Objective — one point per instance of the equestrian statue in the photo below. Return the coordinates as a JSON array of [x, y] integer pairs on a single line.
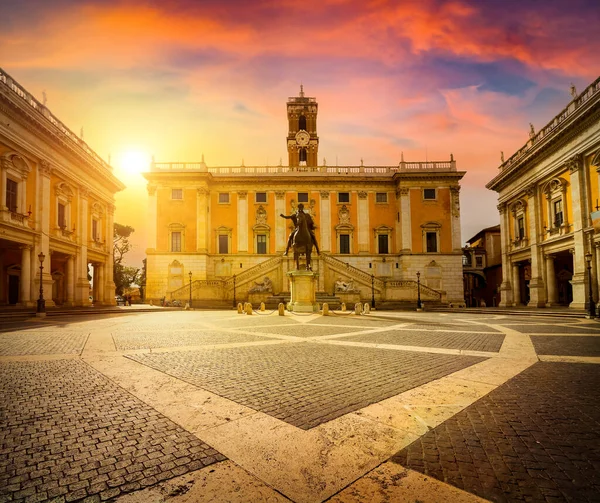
[[302, 238]]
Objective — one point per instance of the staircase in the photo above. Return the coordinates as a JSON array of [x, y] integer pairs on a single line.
[[333, 301], [355, 273]]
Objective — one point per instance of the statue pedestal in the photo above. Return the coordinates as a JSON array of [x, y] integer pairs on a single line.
[[303, 289]]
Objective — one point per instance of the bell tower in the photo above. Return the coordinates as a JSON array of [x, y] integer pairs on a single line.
[[302, 139]]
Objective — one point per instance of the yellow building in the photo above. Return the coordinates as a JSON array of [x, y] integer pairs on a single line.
[[547, 192], [57, 199], [377, 226]]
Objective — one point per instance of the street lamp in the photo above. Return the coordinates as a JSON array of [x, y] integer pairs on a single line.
[[234, 302], [372, 291], [591, 307], [418, 290], [41, 303], [190, 289]]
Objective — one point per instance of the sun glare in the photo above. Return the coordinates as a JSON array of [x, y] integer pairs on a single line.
[[134, 162]]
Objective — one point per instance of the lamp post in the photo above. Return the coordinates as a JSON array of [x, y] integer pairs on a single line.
[[41, 303], [591, 307], [372, 291], [234, 302], [418, 291], [190, 289]]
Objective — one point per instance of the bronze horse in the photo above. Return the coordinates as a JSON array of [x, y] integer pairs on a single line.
[[303, 242]]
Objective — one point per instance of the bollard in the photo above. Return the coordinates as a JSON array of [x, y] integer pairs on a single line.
[[366, 308], [343, 306], [325, 309], [151, 302], [187, 306], [262, 306], [358, 308], [248, 308], [240, 308], [281, 309]]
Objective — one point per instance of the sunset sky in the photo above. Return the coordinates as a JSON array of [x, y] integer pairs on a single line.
[[180, 79]]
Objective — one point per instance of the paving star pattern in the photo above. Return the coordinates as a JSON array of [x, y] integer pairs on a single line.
[[308, 408]]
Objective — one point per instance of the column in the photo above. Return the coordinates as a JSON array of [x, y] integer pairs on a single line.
[[363, 223], [579, 280], [152, 216], [405, 219], [597, 280], [537, 289], [25, 280], [506, 292], [242, 222], [551, 282], [70, 281], [43, 226], [325, 222], [280, 224], [202, 220], [516, 285], [82, 285], [101, 283], [455, 205], [3, 172]]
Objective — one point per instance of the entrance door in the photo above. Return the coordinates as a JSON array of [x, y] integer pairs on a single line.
[[13, 289]]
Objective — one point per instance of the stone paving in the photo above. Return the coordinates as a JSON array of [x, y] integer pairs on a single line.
[[566, 346], [535, 438], [305, 384], [76, 428], [42, 343], [67, 431], [449, 340]]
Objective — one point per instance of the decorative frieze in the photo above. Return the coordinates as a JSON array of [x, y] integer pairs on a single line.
[[574, 163]]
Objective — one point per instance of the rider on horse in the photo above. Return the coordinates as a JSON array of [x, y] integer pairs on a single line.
[[311, 228]]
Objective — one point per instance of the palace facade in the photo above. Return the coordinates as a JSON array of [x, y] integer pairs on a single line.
[[547, 192], [57, 203], [218, 235]]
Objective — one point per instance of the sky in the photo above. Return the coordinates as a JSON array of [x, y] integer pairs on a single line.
[[178, 79]]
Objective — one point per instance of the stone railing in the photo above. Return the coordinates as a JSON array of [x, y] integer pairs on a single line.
[[426, 292], [197, 285], [403, 167], [252, 273], [8, 82], [354, 272], [555, 125]]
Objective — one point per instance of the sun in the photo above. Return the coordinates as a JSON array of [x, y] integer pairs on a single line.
[[134, 162]]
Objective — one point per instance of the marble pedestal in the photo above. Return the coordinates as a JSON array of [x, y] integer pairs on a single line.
[[303, 289]]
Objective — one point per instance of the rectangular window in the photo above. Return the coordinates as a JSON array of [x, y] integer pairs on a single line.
[[521, 227], [62, 223], [177, 194], [431, 238], [175, 241], [428, 193], [11, 194], [303, 197], [381, 197], [95, 236], [558, 213], [261, 197], [345, 243], [343, 197], [224, 198], [383, 243], [223, 243], [261, 244], [479, 261]]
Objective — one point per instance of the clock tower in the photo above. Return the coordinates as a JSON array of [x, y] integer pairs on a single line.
[[302, 139]]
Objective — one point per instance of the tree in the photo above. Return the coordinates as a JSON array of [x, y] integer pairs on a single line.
[[123, 276]]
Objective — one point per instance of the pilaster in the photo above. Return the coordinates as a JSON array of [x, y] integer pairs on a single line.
[[242, 222], [325, 222], [363, 222], [537, 288], [455, 205], [280, 237], [405, 219], [506, 294], [202, 220], [579, 280], [152, 216]]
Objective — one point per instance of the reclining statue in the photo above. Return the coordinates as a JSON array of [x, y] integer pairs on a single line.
[[265, 286]]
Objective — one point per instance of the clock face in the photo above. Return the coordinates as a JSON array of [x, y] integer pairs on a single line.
[[302, 138]]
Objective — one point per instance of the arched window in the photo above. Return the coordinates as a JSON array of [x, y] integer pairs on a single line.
[[302, 155], [302, 123]]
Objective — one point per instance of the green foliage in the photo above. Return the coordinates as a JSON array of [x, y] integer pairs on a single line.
[[123, 276], [142, 280]]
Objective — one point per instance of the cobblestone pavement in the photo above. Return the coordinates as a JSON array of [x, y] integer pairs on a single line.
[[566, 346], [164, 339], [449, 340], [42, 343], [305, 384], [303, 331], [66, 431], [452, 327], [559, 329], [366, 322], [535, 438]]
